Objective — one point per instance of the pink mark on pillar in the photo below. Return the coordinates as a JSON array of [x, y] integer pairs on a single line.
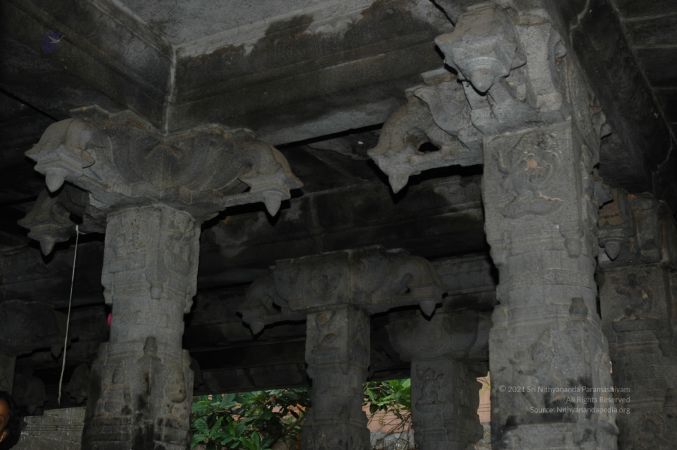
[[109, 319]]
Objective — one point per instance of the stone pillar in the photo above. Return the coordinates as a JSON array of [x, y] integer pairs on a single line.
[[337, 292], [444, 386], [142, 377], [7, 363], [637, 306], [518, 98], [151, 192], [337, 354], [547, 350]]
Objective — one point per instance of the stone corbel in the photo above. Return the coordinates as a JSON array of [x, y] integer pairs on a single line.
[[372, 279], [264, 306], [122, 160], [49, 220], [511, 73], [508, 65], [431, 130]]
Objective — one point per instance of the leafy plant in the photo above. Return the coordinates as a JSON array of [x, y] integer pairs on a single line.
[[390, 403], [257, 420], [249, 421]]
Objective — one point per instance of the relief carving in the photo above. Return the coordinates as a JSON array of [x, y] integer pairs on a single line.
[[528, 168]]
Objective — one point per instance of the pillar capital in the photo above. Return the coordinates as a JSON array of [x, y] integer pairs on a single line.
[[512, 73], [122, 161], [151, 191], [451, 335], [372, 279]]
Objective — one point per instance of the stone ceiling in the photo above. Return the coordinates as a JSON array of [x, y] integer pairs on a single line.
[[316, 78], [651, 29]]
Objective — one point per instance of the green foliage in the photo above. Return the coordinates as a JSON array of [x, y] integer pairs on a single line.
[[248, 421], [392, 398], [388, 396], [256, 420]]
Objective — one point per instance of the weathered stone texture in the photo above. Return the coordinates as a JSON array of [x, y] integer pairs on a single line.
[[152, 201], [638, 302], [336, 292], [373, 279], [56, 429], [445, 391], [337, 354], [142, 381], [540, 135]]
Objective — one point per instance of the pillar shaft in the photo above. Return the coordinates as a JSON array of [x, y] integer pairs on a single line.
[[7, 363], [637, 305], [444, 387], [546, 343], [337, 353], [633, 305], [142, 376], [444, 404]]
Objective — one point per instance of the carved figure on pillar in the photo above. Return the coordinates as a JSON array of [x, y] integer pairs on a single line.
[[152, 191], [540, 133]]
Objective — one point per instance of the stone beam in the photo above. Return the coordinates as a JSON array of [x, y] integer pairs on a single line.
[[54, 50], [436, 218], [636, 156], [151, 202], [252, 64]]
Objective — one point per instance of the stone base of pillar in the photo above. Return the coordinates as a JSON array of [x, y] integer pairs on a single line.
[[143, 401], [329, 435], [555, 436], [57, 429]]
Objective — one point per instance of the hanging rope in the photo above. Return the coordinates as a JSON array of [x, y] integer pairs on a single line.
[[68, 317]]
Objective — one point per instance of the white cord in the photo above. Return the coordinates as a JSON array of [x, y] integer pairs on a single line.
[[68, 317]]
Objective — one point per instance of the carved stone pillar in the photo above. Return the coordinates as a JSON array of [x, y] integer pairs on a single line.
[[337, 292], [547, 350], [337, 353], [143, 381], [637, 305], [151, 191], [7, 363], [539, 139], [444, 386]]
